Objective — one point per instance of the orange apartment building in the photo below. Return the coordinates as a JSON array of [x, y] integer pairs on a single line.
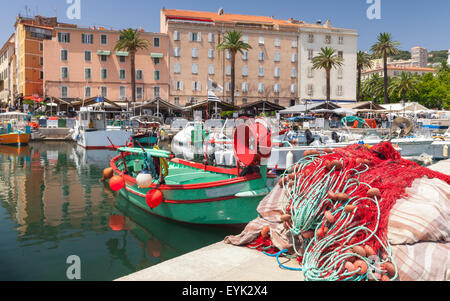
[[81, 63], [29, 36], [268, 71], [276, 69]]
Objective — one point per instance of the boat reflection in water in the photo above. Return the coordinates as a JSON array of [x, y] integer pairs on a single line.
[[159, 238], [53, 205]]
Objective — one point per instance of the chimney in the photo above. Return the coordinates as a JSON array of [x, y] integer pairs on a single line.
[[319, 22]]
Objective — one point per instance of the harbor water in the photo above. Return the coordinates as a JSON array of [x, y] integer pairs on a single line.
[[54, 205]]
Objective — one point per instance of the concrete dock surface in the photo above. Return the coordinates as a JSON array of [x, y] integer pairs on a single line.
[[223, 262], [220, 262]]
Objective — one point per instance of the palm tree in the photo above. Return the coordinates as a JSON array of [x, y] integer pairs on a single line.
[[363, 61], [372, 88], [130, 41], [327, 59], [404, 83], [233, 44], [384, 48]]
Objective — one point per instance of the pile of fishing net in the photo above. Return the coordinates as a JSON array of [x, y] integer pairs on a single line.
[[335, 206]]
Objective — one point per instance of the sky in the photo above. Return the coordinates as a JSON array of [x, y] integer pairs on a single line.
[[411, 22]]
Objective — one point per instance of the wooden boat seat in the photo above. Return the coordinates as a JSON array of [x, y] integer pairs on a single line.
[[189, 177]]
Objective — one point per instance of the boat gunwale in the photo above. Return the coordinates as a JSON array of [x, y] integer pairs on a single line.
[[238, 179]]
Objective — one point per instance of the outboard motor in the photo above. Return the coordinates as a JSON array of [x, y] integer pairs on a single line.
[[335, 137], [309, 137]]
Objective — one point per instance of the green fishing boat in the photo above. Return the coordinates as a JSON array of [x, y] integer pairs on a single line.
[[190, 192]]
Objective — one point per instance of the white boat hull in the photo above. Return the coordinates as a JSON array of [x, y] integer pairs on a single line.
[[99, 139]]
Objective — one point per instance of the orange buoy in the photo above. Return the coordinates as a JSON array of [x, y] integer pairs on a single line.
[[154, 198], [389, 268], [369, 251], [116, 222], [116, 183], [329, 217], [108, 173], [286, 218], [308, 234], [360, 251], [350, 266], [265, 232], [374, 192], [322, 231], [349, 208], [362, 265], [342, 197]]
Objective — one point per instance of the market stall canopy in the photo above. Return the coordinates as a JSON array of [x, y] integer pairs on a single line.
[[262, 105], [408, 106], [95, 101], [163, 104], [203, 104], [362, 106], [298, 109], [342, 111]]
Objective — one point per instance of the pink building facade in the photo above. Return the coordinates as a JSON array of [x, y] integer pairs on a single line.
[[80, 63]]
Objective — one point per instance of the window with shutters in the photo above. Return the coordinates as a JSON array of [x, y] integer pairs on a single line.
[[261, 41], [294, 58], [310, 54], [63, 37], [156, 75], [176, 68], [245, 55], [176, 35], [139, 74], [103, 39], [277, 42], [260, 87], [195, 52], [104, 91], [211, 69], [261, 71], [293, 88], [64, 92], [245, 39], [277, 72], [155, 42], [176, 51], [228, 70], [310, 38], [211, 37], [64, 55], [341, 40], [294, 43], [244, 87], [104, 73], [261, 56], [139, 92], [87, 38], [87, 73], [122, 92], [310, 72], [340, 73], [293, 72], [327, 39], [64, 72], [87, 92], [276, 88], [87, 56], [276, 56], [194, 68], [122, 74], [211, 53], [245, 70], [156, 92]]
